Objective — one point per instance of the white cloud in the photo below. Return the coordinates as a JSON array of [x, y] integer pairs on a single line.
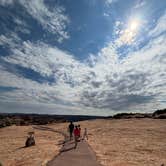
[[127, 35], [160, 26], [11, 40], [140, 4], [30, 107], [52, 19], [135, 82], [106, 15], [109, 2], [48, 61], [138, 82], [22, 26], [32, 91], [68, 73], [6, 2]]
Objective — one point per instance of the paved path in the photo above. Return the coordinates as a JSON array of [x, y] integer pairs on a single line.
[[81, 156]]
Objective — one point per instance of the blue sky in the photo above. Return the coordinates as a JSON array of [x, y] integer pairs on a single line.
[[97, 57]]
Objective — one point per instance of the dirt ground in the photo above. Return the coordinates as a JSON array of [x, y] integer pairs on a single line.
[[12, 141], [132, 142]]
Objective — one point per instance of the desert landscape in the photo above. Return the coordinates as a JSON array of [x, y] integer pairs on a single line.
[[93, 69], [128, 142], [13, 152], [116, 142]]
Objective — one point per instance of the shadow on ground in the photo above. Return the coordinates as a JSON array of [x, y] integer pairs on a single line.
[[62, 142]]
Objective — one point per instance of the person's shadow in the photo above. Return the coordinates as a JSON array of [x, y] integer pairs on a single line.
[[64, 142]]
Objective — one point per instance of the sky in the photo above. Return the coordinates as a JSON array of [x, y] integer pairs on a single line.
[[89, 57]]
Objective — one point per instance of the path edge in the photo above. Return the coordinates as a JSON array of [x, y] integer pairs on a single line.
[[60, 151], [95, 154]]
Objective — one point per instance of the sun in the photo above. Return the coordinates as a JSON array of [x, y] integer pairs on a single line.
[[128, 35], [133, 25]]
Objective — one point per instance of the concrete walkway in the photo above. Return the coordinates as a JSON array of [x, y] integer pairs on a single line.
[[83, 155]]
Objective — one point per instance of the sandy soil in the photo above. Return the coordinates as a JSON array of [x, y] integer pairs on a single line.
[[135, 142], [132, 142], [12, 140]]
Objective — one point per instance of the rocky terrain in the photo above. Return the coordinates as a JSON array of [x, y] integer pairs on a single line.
[[116, 142], [128, 142], [126, 139], [14, 153]]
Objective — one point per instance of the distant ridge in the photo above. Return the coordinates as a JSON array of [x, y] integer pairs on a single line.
[[8, 119], [159, 114]]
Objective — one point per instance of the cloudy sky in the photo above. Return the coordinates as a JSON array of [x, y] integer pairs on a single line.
[[96, 57]]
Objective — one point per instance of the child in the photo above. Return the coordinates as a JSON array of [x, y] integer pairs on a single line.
[[76, 135], [85, 134]]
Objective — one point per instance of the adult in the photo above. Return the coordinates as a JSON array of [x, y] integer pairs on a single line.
[[79, 128], [71, 128]]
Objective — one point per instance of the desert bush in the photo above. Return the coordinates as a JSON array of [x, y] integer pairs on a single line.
[[8, 121], [159, 112]]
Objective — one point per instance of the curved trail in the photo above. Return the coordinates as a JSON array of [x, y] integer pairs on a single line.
[[83, 155]]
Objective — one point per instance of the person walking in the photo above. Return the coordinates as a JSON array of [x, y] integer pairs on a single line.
[[76, 135], [85, 135], [79, 128], [71, 128]]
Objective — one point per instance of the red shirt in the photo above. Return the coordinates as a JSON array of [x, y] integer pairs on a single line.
[[76, 132]]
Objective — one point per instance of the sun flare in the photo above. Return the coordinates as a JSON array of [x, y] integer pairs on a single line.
[[134, 24], [129, 34]]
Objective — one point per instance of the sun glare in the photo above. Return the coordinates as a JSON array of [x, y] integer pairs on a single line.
[[134, 25], [128, 35]]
